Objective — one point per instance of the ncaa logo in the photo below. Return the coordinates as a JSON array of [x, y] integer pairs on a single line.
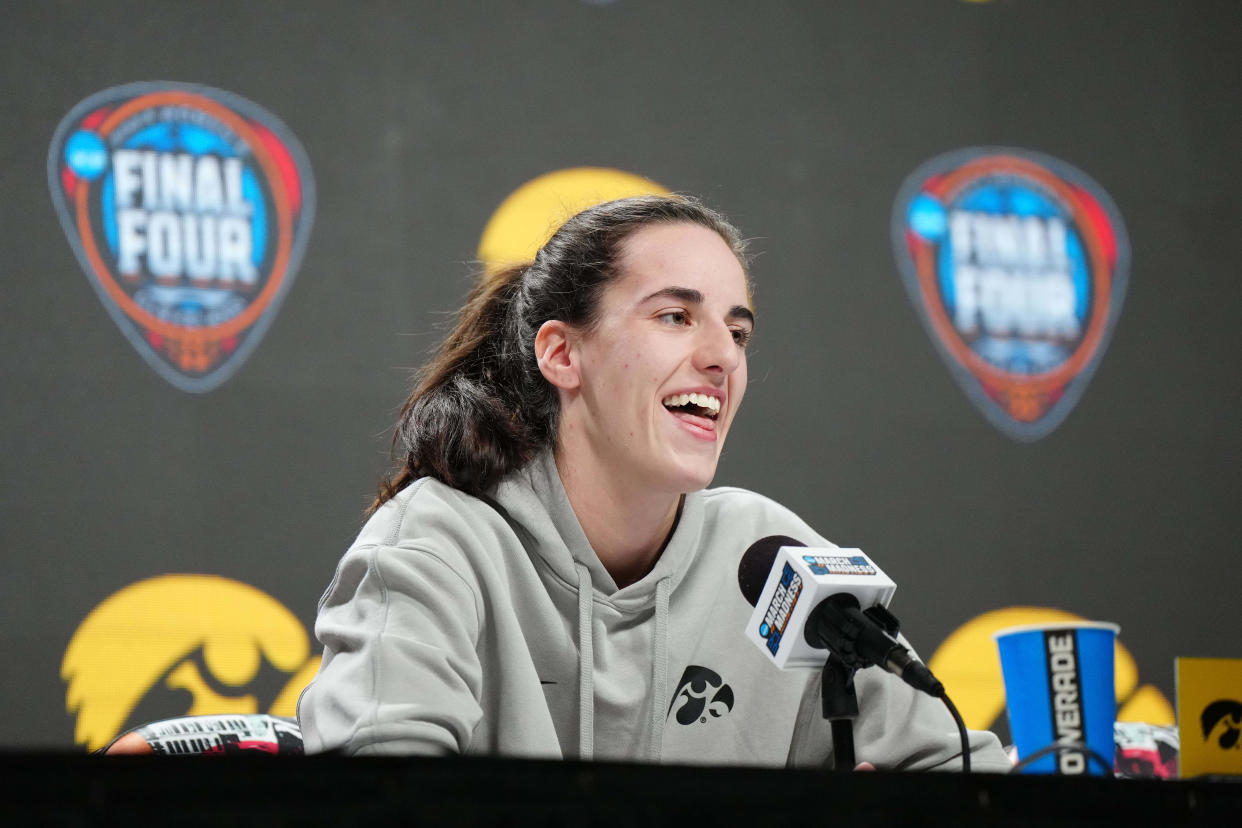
[[1017, 264], [189, 210]]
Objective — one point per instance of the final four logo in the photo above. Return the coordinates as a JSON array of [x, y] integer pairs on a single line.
[[1017, 264], [189, 209]]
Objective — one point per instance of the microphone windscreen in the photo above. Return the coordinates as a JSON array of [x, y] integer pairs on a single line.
[[756, 563]]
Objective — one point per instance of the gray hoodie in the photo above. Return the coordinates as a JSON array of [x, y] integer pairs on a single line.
[[463, 625]]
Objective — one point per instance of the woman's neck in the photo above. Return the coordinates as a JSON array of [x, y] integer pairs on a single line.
[[627, 528]]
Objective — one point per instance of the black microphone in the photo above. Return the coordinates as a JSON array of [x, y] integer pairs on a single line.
[[862, 638], [756, 564], [810, 601]]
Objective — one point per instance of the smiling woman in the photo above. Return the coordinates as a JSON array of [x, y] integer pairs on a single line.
[[547, 556], [647, 394]]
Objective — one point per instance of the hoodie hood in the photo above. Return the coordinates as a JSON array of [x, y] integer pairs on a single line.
[[535, 502]]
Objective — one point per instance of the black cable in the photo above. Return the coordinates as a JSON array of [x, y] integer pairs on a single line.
[[961, 731], [1064, 747]]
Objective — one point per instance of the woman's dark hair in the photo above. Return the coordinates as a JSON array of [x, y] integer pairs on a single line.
[[481, 408]]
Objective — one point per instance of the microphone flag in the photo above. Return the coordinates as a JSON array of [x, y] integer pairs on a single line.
[[800, 578]]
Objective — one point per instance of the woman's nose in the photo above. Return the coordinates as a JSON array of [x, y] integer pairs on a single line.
[[717, 350]]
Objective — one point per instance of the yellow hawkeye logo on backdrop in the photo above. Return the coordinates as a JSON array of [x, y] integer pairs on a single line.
[[532, 213], [183, 645]]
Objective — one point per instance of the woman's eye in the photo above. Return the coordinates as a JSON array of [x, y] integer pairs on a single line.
[[741, 336], [675, 317]]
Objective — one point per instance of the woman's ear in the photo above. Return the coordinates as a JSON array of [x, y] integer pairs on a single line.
[[555, 354]]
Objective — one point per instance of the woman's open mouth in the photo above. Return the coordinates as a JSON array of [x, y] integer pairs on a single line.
[[698, 405], [697, 413]]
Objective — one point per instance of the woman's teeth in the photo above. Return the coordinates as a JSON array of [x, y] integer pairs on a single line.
[[705, 401]]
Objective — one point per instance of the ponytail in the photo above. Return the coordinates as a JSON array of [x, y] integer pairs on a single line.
[[463, 424]]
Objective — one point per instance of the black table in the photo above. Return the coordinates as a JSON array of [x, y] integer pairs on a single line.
[[50, 789]]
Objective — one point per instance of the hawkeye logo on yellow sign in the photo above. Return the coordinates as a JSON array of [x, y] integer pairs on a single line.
[[183, 645], [1209, 713]]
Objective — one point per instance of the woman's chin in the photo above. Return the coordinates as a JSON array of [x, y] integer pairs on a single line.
[[693, 476]]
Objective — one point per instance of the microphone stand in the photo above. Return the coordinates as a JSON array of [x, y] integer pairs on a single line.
[[840, 702], [840, 706], [837, 625]]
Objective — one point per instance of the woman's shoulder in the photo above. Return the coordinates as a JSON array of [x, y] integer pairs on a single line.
[[735, 497], [426, 510], [744, 511]]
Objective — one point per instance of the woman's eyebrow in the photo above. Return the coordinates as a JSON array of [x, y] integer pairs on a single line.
[[742, 312], [694, 297], [684, 294]]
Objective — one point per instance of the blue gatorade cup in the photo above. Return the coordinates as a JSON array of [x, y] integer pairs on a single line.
[[1060, 695]]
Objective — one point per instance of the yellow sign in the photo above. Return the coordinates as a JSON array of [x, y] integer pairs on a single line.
[[200, 636], [534, 211], [1209, 716]]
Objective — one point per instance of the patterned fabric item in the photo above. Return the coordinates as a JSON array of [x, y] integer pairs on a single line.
[[1145, 750], [212, 736]]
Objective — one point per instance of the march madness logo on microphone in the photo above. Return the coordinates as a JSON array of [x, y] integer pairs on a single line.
[[1017, 264], [189, 210], [838, 565], [780, 608]]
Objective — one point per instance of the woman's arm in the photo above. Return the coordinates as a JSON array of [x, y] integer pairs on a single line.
[[900, 728], [400, 672]]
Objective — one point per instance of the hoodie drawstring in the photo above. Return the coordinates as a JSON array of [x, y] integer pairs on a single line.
[[586, 664], [659, 670]]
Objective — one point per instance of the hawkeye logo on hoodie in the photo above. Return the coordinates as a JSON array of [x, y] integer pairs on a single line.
[[691, 700]]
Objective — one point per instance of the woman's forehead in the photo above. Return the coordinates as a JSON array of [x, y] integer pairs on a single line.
[[680, 255]]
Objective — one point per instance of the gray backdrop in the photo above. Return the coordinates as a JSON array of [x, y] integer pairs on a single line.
[[798, 120]]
